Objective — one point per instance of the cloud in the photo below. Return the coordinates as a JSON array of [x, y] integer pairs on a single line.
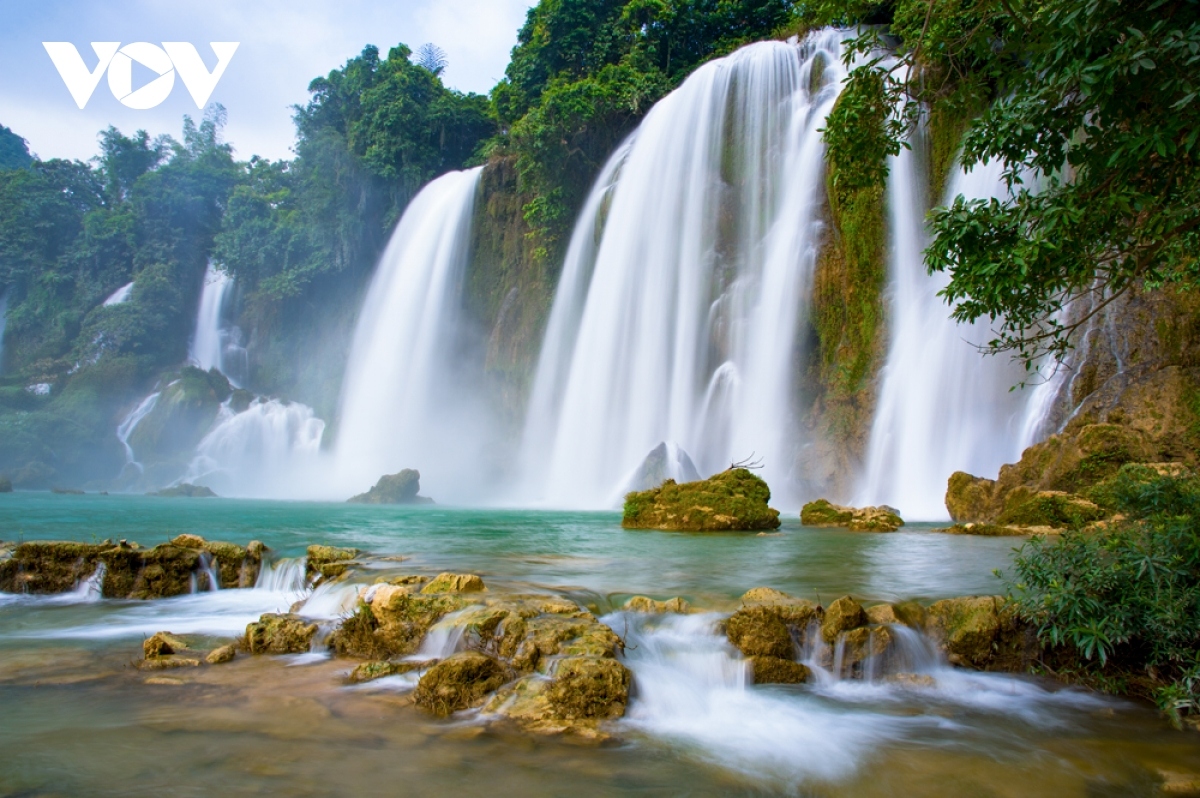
[[284, 45]]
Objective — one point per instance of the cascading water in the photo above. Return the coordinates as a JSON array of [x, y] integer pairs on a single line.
[[215, 345], [677, 316], [943, 406], [269, 449], [129, 424], [405, 402], [120, 296]]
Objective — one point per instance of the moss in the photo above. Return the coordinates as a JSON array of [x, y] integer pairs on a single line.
[[589, 687], [454, 583], [1049, 508], [773, 670], [279, 634], [949, 118], [185, 490], [399, 488], [842, 616], [327, 562], [735, 499], [759, 632], [458, 682], [824, 513]]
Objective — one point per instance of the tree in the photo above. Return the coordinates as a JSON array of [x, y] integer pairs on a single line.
[[14, 151]]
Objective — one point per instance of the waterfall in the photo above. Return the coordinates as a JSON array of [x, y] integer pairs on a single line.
[[269, 449], [120, 296], [214, 345], [129, 424], [687, 279], [404, 401], [943, 406]]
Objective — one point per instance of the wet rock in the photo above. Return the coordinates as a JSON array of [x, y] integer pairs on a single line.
[[454, 583], [328, 562], [777, 670], [735, 499], [822, 513], [589, 688], [966, 628], [910, 680], [392, 624], [859, 645], [990, 530], [665, 461], [910, 613], [649, 605], [842, 616], [279, 634], [882, 615], [48, 567], [458, 682], [168, 662], [221, 655], [185, 490], [1048, 509], [759, 632], [765, 595], [161, 644], [401, 488], [370, 671]]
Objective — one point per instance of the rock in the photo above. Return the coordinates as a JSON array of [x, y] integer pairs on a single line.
[[392, 624], [49, 567], [458, 682], [589, 688], [649, 605], [842, 616], [882, 615], [328, 562], [990, 530], [822, 513], [454, 583], [401, 488], [161, 644], [279, 634], [759, 632], [66, 491], [168, 662], [735, 499], [860, 644], [370, 671], [1048, 508], [776, 670], [185, 490], [6, 485], [665, 461], [966, 628], [910, 680], [765, 595], [221, 655], [189, 542]]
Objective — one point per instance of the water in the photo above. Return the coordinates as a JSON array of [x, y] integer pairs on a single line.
[[120, 296], [129, 424], [405, 402], [943, 406], [216, 345], [3, 322], [686, 284], [79, 720], [272, 448]]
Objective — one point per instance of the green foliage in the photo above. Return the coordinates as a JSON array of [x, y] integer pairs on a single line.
[[14, 152], [1125, 599], [1091, 107]]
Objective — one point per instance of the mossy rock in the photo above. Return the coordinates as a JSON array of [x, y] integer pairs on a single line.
[[759, 632], [327, 562], [455, 583], [776, 670], [6, 485], [279, 634], [985, 530], [648, 605], [1049, 509], [823, 513], [392, 625], [967, 628], [370, 671], [735, 499], [589, 688], [185, 490], [969, 498], [161, 644], [842, 616], [458, 682]]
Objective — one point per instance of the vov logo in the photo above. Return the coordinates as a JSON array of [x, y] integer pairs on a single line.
[[164, 61]]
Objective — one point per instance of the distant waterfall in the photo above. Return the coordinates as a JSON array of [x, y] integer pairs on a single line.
[[271, 448], [129, 424], [677, 315], [404, 404], [943, 406], [214, 344], [3, 322], [120, 296]]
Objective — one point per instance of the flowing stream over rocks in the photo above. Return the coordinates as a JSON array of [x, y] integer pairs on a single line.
[[80, 719]]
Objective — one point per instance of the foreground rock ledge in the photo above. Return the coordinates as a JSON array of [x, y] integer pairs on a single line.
[[734, 500]]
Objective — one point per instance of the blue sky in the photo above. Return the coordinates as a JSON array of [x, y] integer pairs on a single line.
[[284, 44]]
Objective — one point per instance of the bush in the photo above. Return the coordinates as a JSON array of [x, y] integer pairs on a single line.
[[1123, 603]]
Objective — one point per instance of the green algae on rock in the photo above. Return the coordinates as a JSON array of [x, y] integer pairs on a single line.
[[185, 490], [279, 634], [399, 488], [823, 513], [735, 499], [327, 562]]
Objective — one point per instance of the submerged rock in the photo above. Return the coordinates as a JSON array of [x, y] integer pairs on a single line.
[[735, 499], [649, 605], [221, 655], [378, 669], [981, 632], [988, 530], [185, 490], [823, 513], [775, 670], [401, 488], [460, 681], [665, 461], [392, 624], [161, 644], [279, 634], [842, 616]]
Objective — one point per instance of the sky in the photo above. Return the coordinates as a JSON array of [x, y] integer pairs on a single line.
[[283, 44]]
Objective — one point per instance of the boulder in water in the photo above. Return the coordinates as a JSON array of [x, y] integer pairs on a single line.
[[735, 499], [401, 488], [392, 624], [185, 490], [328, 562], [823, 513], [460, 681], [454, 583], [665, 461], [6, 485], [649, 605], [161, 644], [279, 634], [842, 616], [776, 670], [221, 655]]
